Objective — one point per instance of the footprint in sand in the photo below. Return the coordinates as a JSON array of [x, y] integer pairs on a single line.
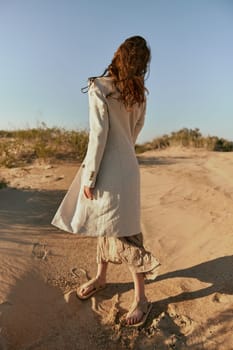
[[40, 251], [80, 273], [222, 298], [70, 297], [183, 322], [82, 276]]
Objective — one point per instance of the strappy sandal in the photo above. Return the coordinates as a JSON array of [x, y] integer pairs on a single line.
[[96, 288], [145, 307]]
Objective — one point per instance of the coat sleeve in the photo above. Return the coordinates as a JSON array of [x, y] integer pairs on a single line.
[[140, 122], [99, 125]]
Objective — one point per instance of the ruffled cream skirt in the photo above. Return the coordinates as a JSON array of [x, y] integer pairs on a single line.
[[129, 250]]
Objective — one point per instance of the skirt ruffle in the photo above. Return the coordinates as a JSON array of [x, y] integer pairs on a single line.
[[129, 250]]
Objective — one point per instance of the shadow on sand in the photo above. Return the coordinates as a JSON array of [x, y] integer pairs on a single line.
[[154, 161], [28, 207], [32, 208], [218, 272]]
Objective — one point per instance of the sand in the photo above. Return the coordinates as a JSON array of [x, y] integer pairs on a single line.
[[187, 220]]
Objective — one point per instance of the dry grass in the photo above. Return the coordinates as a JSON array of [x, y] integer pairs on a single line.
[[187, 138], [22, 147]]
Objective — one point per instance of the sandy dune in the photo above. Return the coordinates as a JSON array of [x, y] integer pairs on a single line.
[[187, 218]]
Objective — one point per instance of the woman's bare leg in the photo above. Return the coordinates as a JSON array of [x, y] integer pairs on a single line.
[[100, 278], [139, 296], [102, 272]]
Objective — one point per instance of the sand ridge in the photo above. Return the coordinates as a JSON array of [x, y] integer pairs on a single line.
[[187, 220]]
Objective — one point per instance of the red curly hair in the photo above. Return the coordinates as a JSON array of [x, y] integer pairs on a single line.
[[128, 69]]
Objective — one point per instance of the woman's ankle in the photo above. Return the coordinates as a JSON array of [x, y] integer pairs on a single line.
[[140, 298], [100, 280], [102, 272]]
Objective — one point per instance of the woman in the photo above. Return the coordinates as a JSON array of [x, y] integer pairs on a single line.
[[104, 198]]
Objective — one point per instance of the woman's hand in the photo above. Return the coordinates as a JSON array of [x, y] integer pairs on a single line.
[[88, 192]]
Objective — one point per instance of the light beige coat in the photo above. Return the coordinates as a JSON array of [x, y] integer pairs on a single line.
[[110, 167]]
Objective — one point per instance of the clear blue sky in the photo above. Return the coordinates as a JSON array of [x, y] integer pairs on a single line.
[[48, 48]]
